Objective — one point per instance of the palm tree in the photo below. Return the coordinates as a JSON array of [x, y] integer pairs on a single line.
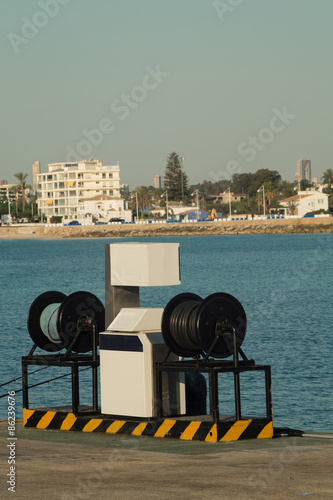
[[259, 201], [327, 178], [292, 205], [270, 192], [23, 186]]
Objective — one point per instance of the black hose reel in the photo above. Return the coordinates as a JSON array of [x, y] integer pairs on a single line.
[[56, 321], [193, 326]]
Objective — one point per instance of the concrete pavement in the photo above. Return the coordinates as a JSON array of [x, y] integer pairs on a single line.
[[67, 465]]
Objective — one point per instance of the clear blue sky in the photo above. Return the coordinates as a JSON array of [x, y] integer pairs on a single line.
[[205, 79]]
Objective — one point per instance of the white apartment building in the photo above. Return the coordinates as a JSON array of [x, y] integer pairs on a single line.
[[66, 189]]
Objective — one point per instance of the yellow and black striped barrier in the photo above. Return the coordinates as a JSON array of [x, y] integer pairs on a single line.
[[189, 430]]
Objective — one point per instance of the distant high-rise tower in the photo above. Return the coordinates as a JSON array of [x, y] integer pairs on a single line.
[[304, 170], [35, 172], [157, 181]]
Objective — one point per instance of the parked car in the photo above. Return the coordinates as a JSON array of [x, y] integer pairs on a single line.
[[74, 223], [116, 219]]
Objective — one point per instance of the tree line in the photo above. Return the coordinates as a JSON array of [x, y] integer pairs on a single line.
[[178, 189], [25, 206]]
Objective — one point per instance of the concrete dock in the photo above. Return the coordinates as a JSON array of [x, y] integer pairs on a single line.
[[69, 465]]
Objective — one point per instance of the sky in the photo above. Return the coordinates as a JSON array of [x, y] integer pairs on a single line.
[[230, 85]]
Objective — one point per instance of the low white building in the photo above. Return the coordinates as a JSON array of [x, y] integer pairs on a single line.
[[175, 212], [104, 208], [305, 202]]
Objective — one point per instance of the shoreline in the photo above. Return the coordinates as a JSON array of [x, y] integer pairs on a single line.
[[256, 226]]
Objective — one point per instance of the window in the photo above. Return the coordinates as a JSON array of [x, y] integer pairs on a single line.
[[110, 176]]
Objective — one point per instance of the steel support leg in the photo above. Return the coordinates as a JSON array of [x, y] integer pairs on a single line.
[[25, 392], [268, 384], [214, 396], [75, 389]]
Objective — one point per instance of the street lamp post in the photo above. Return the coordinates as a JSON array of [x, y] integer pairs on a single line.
[[137, 204], [196, 192], [263, 197], [166, 202], [182, 177], [228, 189]]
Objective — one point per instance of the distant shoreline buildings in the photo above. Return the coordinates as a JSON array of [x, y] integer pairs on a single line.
[[88, 191]]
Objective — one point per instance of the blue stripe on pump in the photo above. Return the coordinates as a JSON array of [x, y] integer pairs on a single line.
[[120, 343]]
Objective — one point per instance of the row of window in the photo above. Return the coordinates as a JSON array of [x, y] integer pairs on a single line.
[[73, 175], [66, 194]]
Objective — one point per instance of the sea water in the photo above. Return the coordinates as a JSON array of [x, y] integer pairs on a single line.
[[284, 283]]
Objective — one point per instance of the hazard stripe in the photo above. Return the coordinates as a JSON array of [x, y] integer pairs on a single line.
[[190, 430], [46, 419], [267, 431], [236, 430], [92, 425], [139, 429], [68, 422], [115, 426], [178, 428], [26, 415], [164, 428], [212, 435]]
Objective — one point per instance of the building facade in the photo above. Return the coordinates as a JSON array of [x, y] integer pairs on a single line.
[[304, 170], [66, 188], [305, 202], [226, 197], [157, 181], [35, 172], [9, 192]]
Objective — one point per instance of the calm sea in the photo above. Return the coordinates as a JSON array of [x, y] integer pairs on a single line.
[[284, 283]]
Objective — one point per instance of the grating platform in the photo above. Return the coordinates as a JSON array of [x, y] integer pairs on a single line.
[[197, 428]]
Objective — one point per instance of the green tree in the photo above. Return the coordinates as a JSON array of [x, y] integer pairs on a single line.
[[145, 196], [241, 183], [175, 179], [270, 192], [286, 189], [327, 178], [263, 176], [22, 186], [305, 184]]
